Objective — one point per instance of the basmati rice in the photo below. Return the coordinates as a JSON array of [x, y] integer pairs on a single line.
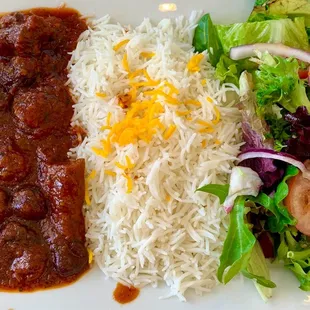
[[145, 222]]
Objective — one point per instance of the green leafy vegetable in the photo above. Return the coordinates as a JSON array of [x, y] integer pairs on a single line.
[[296, 256], [206, 38], [281, 218], [261, 2], [299, 256], [260, 17], [282, 189], [290, 8], [229, 71], [259, 279], [238, 244], [257, 270], [286, 31], [282, 249], [279, 130], [278, 82], [275, 82], [238, 254], [218, 190], [248, 107], [277, 222], [281, 9], [308, 32], [299, 97], [242, 253], [261, 12], [301, 275]]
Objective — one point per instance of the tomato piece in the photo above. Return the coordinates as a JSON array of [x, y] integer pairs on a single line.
[[298, 201], [303, 74]]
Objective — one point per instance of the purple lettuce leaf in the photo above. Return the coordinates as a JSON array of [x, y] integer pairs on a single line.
[[299, 145], [254, 131], [269, 172]]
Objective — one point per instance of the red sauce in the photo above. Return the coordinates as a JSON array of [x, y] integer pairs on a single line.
[[125, 294], [42, 232]]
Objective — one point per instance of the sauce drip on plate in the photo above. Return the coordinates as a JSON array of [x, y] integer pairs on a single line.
[[124, 294]]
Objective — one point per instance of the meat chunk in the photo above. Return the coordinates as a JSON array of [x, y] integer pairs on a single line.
[[4, 202], [18, 71], [55, 150], [30, 265], [31, 34], [4, 100], [70, 258], [43, 109], [27, 33], [53, 153], [6, 49], [3, 199], [29, 203], [65, 231], [68, 37], [21, 71], [52, 62], [13, 166], [23, 257], [64, 185], [14, 231]]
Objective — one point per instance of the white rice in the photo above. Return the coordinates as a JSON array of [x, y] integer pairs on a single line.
[[142, 238]]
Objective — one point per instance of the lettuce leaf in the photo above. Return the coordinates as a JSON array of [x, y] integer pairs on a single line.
[[279, 9], [295, 252], [242, 253], [260, 280], [255, 130], [289, 32], [238, 244], [302, 276], [221, 191], [299, 145], [229, 71], [257, 270], [277, 82], [260, 17], [261, 2], [248, 108], [265, 167], [206, 38], [279, 131], [290, 8], [281, 218]]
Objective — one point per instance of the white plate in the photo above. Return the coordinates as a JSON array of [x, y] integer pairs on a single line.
[[93, 292]]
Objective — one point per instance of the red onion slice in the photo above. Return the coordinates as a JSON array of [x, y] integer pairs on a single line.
[[269, 154], [278, 49]]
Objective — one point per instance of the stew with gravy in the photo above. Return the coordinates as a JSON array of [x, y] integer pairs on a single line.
[[42, 233]]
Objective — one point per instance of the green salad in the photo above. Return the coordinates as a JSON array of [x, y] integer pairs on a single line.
[[268, 198]]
